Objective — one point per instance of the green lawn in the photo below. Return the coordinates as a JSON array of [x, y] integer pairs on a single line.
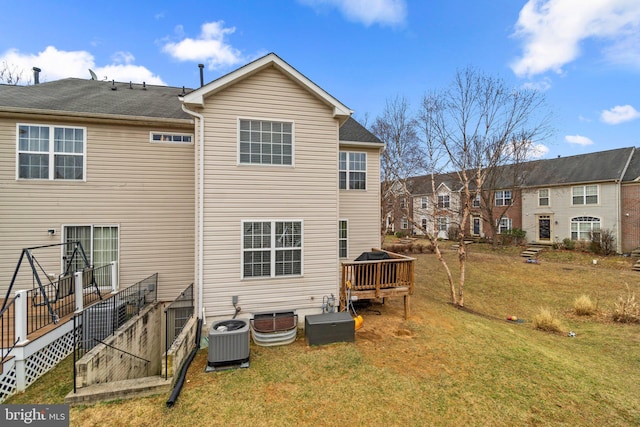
[[443, 366]]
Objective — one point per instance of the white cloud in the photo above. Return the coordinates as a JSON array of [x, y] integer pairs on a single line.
[[538, 151], [540, 85], [59, 64], [619, 114], [210, 47], [578, 140], [552, 31], [368, 12]]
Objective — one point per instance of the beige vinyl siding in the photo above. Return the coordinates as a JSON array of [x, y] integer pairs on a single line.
[[362, 207], [146, 189], [306, 191], [562, 210]]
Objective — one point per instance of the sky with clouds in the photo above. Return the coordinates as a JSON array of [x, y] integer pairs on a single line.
[[583, 55]]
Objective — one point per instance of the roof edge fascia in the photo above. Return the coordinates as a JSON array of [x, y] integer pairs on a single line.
[[361, 144], [120, 118], [197, 96]]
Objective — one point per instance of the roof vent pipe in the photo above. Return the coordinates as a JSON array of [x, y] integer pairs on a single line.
[[36, 75], [201, 66]]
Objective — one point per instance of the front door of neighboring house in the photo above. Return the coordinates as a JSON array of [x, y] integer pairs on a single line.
[[544, 228], [477, 226]]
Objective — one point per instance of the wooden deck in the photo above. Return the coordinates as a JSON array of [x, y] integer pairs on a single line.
[[385, 278]]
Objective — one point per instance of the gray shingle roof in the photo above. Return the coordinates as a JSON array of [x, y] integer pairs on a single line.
[[353, 131], [96, 97], [593, 167], [633, 171]]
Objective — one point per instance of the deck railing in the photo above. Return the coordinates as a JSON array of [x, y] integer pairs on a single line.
[[378, 278], [49, 303], [8, 338]]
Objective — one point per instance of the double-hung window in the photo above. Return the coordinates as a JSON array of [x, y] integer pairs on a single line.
[[442, 223], [584, 195], [503, 198], [353, 170], [504, 224], [51, 152], [343, 234], [444, 201], [263, 142], [476, 201], [543, 197], [423, 203], [271, 248]]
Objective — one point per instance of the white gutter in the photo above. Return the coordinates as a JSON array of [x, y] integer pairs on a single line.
[[200, 200]]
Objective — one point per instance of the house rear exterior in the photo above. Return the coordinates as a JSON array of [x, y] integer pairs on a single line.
[[253, 186]]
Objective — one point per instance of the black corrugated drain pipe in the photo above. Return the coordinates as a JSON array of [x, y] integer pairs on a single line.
[[185, 367]]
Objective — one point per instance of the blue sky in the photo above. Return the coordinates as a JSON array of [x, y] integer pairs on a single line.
[[583, 54]]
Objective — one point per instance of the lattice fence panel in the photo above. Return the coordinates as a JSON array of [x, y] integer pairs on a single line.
[[8, 382], [40, 363]]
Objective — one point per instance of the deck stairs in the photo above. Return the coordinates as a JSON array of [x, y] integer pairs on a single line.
[[636, 255]]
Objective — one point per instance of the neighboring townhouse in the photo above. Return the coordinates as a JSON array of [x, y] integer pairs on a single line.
[[446, 212], [630, 205], [554, 199], [253, 186], [572, 197]]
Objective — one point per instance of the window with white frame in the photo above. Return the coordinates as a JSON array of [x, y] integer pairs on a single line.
[[343, 234], [403, 202], [585, 227], [171, 138], [476, 201], [442, 223], [423, 203], [265, 142], [444, 201], [99, 243], [51, 152], [503, 198], [543, 197], [504, 224], [271, 248], [584, 195], [424, 224], [404, 224], [353, 170]]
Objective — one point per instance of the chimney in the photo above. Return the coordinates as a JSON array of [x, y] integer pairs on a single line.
[[201, 66], [36, 75]]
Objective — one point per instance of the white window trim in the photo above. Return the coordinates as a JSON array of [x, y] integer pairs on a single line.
[[404, 223], [266, 165], [346, 239], [548, 197], [424, 202], [52, 153], [584, 195], [366, 173], [272, 249], [163, 141], [509, 224], [503, 199], [446, 201], [591, 221]]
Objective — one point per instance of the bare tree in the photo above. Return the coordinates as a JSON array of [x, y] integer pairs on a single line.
[[483, 124], [400, 160], [11, 74]]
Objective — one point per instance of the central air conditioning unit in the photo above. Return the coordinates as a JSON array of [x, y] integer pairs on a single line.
[[101, 320], [228, 345]]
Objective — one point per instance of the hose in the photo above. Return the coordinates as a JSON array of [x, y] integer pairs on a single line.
[[185, 366]]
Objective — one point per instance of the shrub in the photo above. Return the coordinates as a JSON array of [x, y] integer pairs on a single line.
[[546, 321], [603, 242], [583, 306], [515, 236], [453, 232], [568, 243], [627, 309], [401, 234]]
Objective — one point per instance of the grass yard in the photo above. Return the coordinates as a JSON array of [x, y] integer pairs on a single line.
[[443, 366]]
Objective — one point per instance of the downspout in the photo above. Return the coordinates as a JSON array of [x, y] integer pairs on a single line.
[[619, 202], [200, 237]]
